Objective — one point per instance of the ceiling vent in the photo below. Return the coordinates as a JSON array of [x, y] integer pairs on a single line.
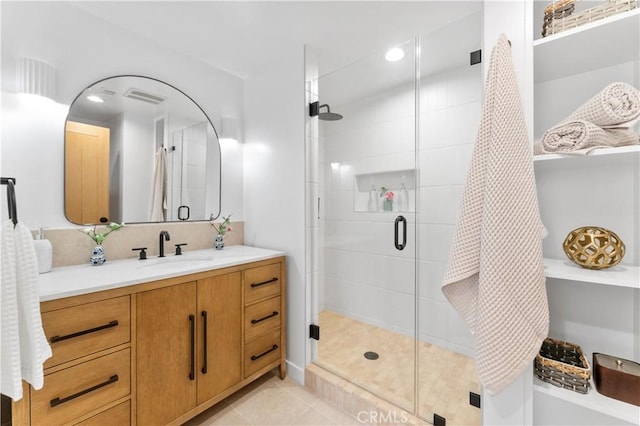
[[107, 92], [143, 96]]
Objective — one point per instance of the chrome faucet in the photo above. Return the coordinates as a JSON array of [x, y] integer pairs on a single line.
[[164, 236]]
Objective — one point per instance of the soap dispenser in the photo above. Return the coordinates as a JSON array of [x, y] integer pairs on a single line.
[[372, 205], [403, 198], [44, 252]]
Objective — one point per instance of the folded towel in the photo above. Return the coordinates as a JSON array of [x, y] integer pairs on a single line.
[[580, 136], [23, 341], [617, 103], [495, 277]]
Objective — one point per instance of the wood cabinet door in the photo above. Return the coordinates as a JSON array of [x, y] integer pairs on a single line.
[[166, 379], [220, 305]]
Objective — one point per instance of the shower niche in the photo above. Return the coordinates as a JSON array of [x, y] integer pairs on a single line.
[[393, 191]]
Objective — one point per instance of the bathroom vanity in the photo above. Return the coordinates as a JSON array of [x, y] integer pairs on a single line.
[[157, 341]]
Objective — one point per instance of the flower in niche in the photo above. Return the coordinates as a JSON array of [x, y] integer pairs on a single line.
[[224, 227], [384, 192], [99, 237]]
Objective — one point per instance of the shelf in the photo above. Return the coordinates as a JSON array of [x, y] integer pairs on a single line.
[[611, 41], [630, 150], [620, 275], [592, 400]]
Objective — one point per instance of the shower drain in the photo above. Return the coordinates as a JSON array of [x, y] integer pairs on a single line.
[[371, 355]]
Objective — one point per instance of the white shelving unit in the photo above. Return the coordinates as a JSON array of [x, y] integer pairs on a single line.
[[592, 400], [581, 59], [619, 275], [595, 153], [611, 41]]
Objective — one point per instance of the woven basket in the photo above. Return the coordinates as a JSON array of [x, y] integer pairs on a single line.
[[564, 365], [561, 16]]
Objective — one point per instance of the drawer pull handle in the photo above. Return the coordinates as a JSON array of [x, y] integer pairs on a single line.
[[255, 357], [204, 338], [255, 321], [57, 401], [272, 280], [55, 339], [192, 371]]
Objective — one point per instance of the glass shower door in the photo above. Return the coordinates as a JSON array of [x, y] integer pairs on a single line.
[[450, 104], [365, 294]]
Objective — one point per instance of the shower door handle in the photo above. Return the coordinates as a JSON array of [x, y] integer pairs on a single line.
[[403, 244]]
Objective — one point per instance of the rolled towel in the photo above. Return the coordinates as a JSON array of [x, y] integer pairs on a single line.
[[580, 136], [616, 104]]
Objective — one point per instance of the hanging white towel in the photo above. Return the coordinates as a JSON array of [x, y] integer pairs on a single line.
[[495, 277], [24, 345], [158, 206]]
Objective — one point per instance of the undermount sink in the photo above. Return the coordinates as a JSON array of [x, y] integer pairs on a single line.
[[172, 262]]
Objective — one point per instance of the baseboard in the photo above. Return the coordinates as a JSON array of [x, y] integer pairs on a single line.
[[295, 372]]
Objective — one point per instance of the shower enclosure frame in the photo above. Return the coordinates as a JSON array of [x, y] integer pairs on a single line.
[[313, 203]]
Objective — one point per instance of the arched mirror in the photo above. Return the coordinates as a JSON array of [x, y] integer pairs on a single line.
[[139, 150]]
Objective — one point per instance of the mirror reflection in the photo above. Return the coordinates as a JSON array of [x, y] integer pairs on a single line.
[[139, 150]]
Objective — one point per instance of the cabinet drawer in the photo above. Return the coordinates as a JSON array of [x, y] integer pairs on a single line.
[[78, 390], [261, 282], [262, 317], [85, 329], [261, 352], [120, 415]]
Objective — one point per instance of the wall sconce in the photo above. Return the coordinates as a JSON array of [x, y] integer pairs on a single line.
[[229, 129], [35, 78]]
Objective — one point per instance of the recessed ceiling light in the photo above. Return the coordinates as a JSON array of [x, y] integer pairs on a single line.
[[394, 54], [94, 98]]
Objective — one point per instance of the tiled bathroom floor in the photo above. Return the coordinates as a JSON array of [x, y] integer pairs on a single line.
[[271, 401], [445, 377]]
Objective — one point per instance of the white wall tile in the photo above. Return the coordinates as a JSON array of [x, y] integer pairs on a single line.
[[445, 166], [440, 204], [457, 330], [398, 311], [435, 242], [432, 320], [430, 277]]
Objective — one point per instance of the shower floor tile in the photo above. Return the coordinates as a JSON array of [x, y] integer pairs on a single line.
[[445, 377]]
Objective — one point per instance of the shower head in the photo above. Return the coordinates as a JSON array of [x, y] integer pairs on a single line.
[[329, 116]]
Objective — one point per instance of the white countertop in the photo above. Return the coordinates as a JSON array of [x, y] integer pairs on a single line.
[[82, 279]]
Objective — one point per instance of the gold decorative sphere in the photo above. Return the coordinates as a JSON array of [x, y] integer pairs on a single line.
[[593, 247]]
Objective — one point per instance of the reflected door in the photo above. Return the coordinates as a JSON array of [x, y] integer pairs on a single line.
[[86, 195]]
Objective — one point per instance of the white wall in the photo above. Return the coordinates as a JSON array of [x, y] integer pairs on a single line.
[[275, 181], [74, 42]]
